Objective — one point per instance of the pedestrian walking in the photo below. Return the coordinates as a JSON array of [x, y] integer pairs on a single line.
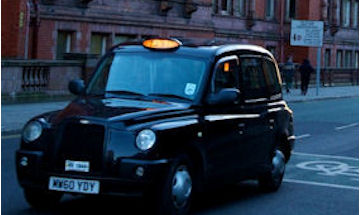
[[305, 71], [288, 72]]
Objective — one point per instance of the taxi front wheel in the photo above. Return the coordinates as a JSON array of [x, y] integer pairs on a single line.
[[272, 180], [42, 199], [173, 194]]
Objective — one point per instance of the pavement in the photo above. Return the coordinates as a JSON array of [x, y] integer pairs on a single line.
[[14, 116], [321, 178]]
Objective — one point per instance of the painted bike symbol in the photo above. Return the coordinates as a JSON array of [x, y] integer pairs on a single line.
[[331, 168]]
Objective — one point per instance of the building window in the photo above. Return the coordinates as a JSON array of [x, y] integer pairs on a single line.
[[355, 14], [348, 59], [345, 13], [269, 9], [241, 7], [356, 62], [99, 43], [123, 38], [225, 7], [327, 61], [339, 59], [290, 9], [64, 43]]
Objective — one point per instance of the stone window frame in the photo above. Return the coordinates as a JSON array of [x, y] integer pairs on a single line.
[[240, 8], [228, 4], [130, 37], [354, 13], [345, 13], [287, 10], [327, 57], [70, 41], [348, 59], [105, 41], [272, 10], [339, 59]]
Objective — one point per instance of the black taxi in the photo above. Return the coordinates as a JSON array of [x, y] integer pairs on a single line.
[[163, 119]]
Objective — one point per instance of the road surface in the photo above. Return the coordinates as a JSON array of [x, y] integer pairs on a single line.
[[321, 178]]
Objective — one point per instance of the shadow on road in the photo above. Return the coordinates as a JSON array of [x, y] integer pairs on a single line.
[[125, 205]]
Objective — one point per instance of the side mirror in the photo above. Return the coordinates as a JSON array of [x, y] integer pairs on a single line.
[[77, 86], [224, 96]]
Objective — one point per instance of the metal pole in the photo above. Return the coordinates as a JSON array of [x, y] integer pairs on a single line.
[[318, 65]]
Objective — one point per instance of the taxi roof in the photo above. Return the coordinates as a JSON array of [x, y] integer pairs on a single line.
[[201, 50]]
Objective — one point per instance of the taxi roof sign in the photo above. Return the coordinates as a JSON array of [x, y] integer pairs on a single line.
[[161, 44]]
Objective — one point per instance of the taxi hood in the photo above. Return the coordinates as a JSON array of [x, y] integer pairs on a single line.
[[119, 109]]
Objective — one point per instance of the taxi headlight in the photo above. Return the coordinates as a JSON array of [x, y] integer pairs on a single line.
[[145, 139], [32, 131]]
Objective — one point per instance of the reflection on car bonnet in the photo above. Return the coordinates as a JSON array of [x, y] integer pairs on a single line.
[[116, 102]]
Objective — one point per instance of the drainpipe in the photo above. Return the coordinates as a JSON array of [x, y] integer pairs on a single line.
[[36, 28], [282, 14], [26, 51]]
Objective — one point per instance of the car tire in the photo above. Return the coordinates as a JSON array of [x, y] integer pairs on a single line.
[[173, 194], [42, 199], [271, 181]]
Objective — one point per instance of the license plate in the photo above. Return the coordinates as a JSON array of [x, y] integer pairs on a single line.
[[74, 185]]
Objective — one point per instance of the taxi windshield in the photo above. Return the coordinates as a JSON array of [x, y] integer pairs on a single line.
[[164, 75]]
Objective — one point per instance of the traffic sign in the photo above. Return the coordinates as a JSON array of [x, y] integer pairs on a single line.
[[307, 33]]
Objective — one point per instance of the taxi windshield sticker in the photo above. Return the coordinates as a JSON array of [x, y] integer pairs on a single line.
[[190, 89]]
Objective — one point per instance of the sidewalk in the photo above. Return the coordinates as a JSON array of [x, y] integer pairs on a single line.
[[324, 93], [15, 116]]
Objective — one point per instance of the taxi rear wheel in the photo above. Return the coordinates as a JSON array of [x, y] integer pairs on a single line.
[[173, 194], [42, 199], [271, 181]]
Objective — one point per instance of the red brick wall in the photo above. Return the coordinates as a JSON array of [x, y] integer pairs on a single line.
[[13, 21], [46, 48]]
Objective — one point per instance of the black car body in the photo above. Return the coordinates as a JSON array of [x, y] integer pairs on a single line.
[[231, 125]]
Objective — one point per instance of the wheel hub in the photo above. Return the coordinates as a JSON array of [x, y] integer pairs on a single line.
[[278, 164], [181, 186]]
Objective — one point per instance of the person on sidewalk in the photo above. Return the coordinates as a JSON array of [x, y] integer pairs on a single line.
[[305, 71], [288, 71]]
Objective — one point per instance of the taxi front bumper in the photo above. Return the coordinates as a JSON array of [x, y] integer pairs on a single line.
[[131, 177]]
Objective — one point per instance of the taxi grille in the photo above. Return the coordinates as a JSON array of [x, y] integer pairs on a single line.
[[81, 142]]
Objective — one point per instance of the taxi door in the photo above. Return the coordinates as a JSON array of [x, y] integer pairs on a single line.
[[259, 130], [224, 125]]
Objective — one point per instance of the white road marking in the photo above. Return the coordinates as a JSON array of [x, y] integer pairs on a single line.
[[346, 126], [320, 184], [302, 136], [326, 156]]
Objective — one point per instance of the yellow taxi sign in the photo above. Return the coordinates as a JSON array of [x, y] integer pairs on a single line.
[[161, 43]]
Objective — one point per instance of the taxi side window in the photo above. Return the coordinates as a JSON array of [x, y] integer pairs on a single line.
[[226, 75], [253, 81], [271, 76]]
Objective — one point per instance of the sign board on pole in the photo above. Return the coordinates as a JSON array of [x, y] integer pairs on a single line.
[[307, 33]]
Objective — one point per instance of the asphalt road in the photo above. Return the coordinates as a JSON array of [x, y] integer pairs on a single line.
[[321, 178]]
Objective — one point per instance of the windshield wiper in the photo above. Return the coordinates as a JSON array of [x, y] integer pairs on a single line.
[[169, 96], [125, 92]]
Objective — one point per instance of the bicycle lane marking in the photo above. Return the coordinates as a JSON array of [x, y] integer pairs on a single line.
[[323, 170]]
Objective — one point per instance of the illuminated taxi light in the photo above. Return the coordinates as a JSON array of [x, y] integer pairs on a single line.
[[161, 44], [226, 67]]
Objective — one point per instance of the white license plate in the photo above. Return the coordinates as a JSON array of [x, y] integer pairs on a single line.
[[74, 185]]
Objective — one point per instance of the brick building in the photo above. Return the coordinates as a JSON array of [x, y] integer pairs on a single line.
[[46, 29]]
